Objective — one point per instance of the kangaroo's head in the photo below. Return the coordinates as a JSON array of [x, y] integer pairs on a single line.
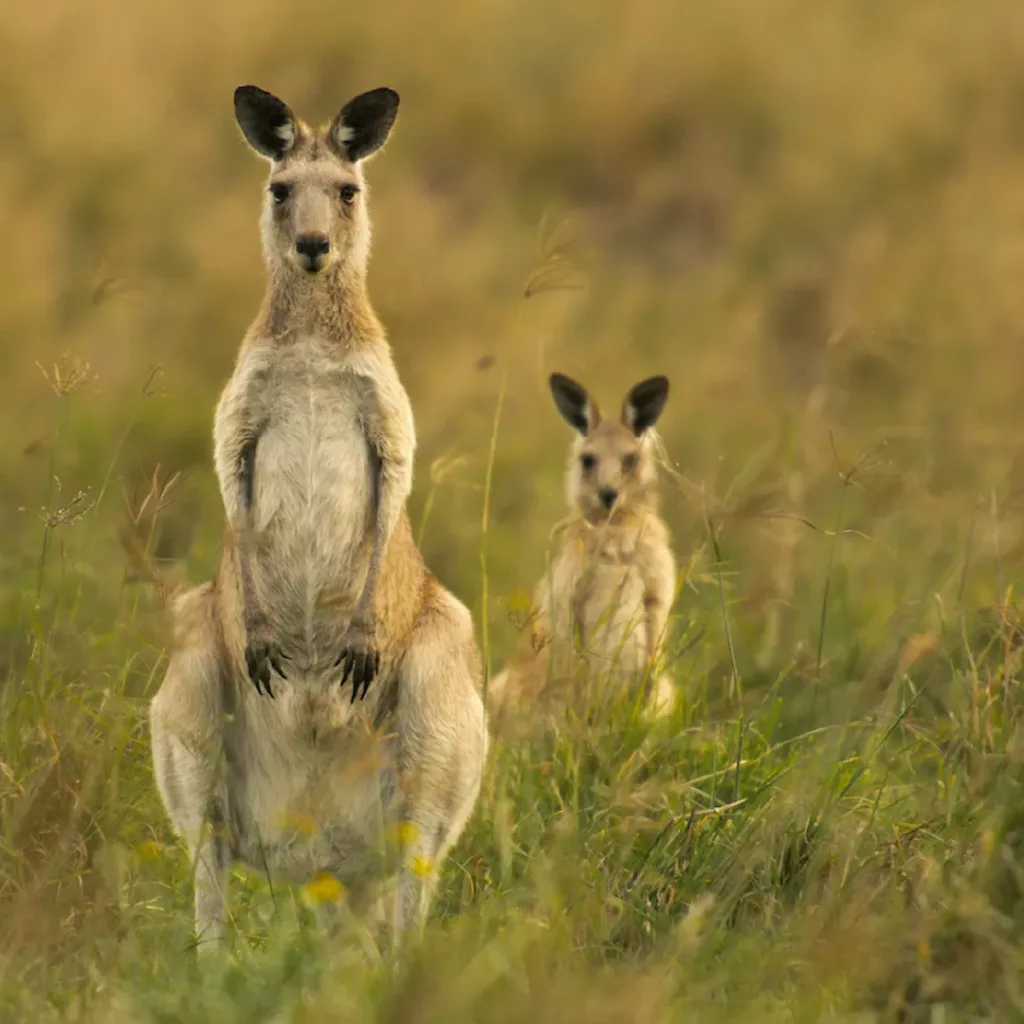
[[314, 213], [611, 465]]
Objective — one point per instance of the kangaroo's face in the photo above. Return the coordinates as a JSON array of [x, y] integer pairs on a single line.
[[314, 212], [610, 464]]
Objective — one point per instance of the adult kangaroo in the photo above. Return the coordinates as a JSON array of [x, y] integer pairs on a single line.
[[322, 693]]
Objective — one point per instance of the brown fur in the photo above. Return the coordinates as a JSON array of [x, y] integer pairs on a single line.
[[600, 613], [260, 753]]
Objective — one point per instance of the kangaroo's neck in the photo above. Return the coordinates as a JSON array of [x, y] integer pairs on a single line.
[[648, 502], [334, 305]]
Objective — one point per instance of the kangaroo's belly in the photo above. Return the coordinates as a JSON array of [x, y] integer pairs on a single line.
[[314, 505], [302, 805], [612, 623]]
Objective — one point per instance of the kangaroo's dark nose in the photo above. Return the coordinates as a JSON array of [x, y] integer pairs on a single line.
[[607, 496], [312, 247]]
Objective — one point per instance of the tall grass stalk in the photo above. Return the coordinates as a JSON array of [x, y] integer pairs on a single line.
[[485, 519]]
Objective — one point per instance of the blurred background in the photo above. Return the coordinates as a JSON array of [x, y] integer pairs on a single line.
[[809, 216]]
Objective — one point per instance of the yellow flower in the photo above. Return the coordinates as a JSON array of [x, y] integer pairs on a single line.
[[404, 833], [422, 867], [149, 850], [297, 821], [324, 888]]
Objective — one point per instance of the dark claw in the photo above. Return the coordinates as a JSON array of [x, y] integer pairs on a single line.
[[356, 677], [259, 659], [345, 660], [362, 665], [276, 657]]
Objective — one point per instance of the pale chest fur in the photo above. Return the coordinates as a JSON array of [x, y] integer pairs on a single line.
[[313, 498], [597, 593]]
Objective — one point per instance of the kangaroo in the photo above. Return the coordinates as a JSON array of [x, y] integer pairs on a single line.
[[611, 582], [260, 753]]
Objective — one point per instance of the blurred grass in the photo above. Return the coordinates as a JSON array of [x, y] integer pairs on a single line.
[[810, 217]]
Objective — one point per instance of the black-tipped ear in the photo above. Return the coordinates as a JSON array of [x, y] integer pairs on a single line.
[[364, 123], [644, 404], [266, 122], [575, 405]]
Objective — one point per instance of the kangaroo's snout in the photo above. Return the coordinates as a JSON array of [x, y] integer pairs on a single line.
[[312, 248]]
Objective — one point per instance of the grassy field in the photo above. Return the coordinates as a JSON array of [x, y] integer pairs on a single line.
[[810, 217]]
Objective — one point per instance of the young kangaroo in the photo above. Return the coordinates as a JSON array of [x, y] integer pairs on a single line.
[[611, 582], [260, 753]]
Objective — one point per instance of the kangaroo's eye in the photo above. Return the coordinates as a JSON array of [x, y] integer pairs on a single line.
[[348, 194], [280, 192], [588, 462], [629, 462]]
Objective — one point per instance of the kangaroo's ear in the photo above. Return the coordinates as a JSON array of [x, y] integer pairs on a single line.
[[578, 409], [644, 404], [266, 122], [364, 123]]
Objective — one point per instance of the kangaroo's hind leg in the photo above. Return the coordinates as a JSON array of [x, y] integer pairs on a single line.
[[661, 701], [443, 746], [185, 727]]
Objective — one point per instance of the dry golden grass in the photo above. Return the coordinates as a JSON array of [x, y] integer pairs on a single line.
[[809, 216]]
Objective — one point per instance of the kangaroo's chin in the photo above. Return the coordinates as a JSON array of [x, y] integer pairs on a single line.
[[598, 516]]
